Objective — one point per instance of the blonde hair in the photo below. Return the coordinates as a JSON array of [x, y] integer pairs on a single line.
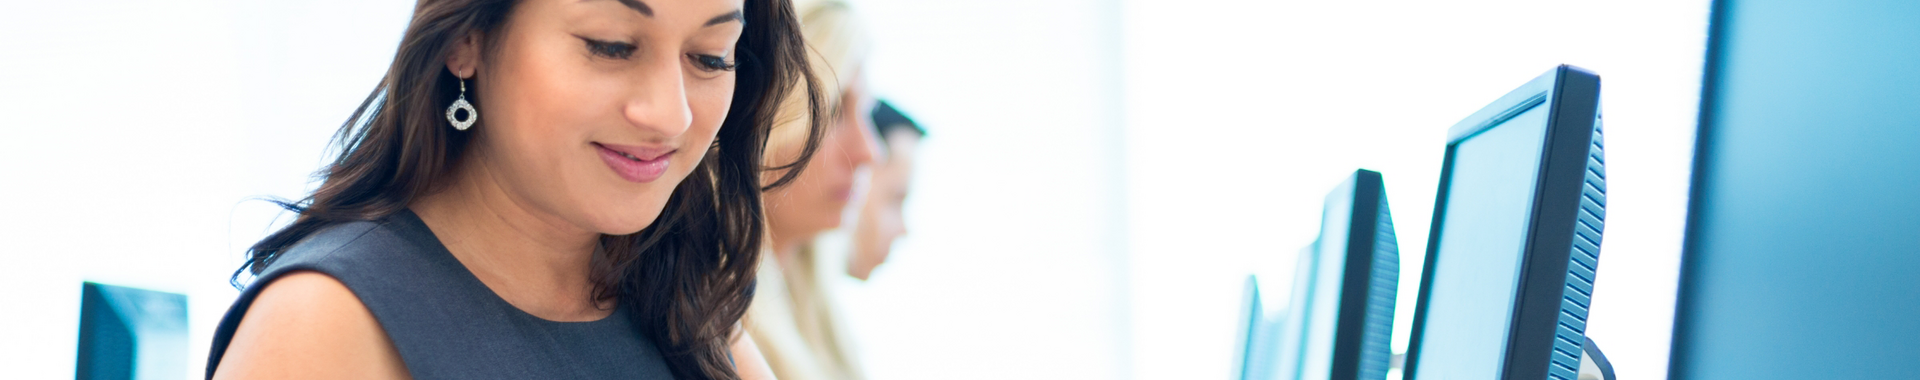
[[793, 318], [837, 45]]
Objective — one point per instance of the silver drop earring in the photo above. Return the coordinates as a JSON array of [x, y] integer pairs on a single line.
[[460, 105]]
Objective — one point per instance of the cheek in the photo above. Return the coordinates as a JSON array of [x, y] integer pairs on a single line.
[[833, 148], [825, 160], [552, 97], [541, 108], [710, 101], [848, 115]]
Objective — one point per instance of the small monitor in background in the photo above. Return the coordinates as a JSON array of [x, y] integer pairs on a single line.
[[1262, 326], [128, 333], [1515, 238], [1339, 322], [1803, 227], [1255, 343]]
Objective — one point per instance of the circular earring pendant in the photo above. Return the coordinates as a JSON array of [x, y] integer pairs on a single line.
[[453, 111]]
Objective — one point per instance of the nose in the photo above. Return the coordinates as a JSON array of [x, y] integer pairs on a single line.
[[863, 145], [659, 103]]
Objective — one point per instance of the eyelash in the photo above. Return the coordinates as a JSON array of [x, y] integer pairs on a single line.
[[614, 50], [622, 50], [713, 63]]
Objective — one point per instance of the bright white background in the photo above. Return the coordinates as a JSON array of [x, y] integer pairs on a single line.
[[1101, 174], [1242, 115], [135, 135]]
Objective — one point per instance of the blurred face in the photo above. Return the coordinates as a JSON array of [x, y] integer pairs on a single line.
[[880, 218], [815, 201], [593, 111]]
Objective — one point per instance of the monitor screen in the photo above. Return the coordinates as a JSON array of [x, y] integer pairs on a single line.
[[131, 333], [1804, 227], [1480, 245]]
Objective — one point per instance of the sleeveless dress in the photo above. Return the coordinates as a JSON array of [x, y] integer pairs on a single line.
[[445, 323]]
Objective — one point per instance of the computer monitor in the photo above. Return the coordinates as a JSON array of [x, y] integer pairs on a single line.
[[1804, 221], [1339, 322], [1515, 238], [1254, 361], [1262, 326], [130, 333]]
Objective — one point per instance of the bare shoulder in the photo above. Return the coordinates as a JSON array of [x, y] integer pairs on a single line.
[[307, 325], [747, 360]]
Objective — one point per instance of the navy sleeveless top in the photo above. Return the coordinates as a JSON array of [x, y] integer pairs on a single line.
[[445, 323]]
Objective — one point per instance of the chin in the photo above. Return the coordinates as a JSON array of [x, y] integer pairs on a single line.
[[830, 224], [626, 219]]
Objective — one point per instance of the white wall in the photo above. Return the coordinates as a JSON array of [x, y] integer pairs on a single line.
[[1241, 115], [136, 130]]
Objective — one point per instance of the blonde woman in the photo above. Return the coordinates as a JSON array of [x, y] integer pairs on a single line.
[[793, 318]]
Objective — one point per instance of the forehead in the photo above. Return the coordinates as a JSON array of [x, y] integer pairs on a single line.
[[690, 16], [900, 151], [901, 139], [671, 8]]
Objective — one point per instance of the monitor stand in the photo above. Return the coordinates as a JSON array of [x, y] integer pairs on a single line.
[[1593, 364]]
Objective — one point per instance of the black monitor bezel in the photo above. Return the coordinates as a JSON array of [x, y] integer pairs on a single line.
[[1572, 95]]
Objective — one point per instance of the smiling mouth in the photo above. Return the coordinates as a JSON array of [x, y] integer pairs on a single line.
[[635, 164], [636, 153]]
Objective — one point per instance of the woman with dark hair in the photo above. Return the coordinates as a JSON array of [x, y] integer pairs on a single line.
[[537, 189]]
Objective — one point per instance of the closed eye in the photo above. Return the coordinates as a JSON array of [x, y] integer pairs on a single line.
[[714, 63], [609, 49]]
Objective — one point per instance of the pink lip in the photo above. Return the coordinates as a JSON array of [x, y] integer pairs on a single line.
[[650, 165], [843, 194]]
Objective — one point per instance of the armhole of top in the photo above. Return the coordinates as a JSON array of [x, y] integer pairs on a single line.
[[230, 322]]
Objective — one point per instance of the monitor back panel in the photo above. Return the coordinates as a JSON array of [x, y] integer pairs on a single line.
[[1804, 227]]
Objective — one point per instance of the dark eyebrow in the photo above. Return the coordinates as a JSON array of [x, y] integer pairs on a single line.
[[638, 7], [735, 15], [645, 10]]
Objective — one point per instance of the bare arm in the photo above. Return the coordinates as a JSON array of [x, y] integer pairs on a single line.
[[747, 360], [307, 325]]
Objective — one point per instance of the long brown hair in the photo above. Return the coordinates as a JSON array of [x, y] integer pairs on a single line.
[[688, 277]]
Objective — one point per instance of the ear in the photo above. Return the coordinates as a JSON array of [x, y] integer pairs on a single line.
[[465, 58]]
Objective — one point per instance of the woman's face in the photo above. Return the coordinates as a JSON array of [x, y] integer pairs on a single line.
[[593, 111], [880, 217], [815, 201]]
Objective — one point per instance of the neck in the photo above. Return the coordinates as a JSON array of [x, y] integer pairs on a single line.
[[786, 247], [532, 259]]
